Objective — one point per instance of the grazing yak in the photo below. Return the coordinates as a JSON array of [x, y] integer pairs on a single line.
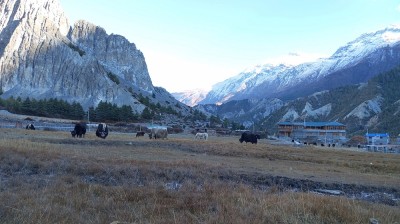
[[201, 136], [249, 137], [79, 130], [102, 131], [140, 133], [30, 127], [158, 133]]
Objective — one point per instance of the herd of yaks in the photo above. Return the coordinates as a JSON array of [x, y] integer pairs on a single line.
[[80, 130], [162, 133], [155, 133]]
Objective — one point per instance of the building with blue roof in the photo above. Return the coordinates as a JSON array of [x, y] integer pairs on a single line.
[[377, 141], [313, 132], [398, 140]]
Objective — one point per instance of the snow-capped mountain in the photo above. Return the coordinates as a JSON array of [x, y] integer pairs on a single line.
[[242, 83], [190, 97], [374, 106], [356, 62]]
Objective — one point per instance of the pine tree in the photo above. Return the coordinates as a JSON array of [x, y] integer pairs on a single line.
[[146, 114]]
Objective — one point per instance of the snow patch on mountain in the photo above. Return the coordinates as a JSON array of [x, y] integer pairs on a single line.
[[254, 76], [367, 108], [391, 37], [322, 111], [397, 112], [233, 114], [317, 94], [190, 97], [290, 115], [248, 79], [272, 106], [367, 43], [362, 86]]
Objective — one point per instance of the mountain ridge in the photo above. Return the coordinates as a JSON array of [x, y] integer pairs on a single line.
[[372, 106], [42, 56], [370, 49], [320, 96]]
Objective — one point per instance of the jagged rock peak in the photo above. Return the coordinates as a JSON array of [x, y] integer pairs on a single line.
[[40, 15], [115, 52], [41, 56]]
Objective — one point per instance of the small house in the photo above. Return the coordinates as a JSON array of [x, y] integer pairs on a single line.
[[377, 141]]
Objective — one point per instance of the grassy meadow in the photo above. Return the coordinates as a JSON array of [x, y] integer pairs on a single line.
[[50, 177]]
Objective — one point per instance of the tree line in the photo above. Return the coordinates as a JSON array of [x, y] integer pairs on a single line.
[[103, 112], [57, 108], [53, 107]]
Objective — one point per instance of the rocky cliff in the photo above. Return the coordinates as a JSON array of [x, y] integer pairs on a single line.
[[42, 56]]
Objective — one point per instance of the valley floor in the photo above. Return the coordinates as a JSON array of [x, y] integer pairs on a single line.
[[48, 177]]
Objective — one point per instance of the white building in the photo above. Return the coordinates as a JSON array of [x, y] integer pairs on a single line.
[[377, 141]]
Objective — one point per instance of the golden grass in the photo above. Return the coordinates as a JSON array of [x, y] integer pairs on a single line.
[[48, 177]]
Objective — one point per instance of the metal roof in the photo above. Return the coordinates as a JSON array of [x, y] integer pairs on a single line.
[[312, 124], [377, 135], [151, 126]]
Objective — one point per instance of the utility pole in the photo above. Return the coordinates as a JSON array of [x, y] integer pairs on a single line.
[[88, 119]]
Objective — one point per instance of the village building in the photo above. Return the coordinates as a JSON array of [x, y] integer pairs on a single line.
[[377, 141], [313, 132]]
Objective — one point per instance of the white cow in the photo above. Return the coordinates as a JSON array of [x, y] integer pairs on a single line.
[[159, 133], [201, 136]]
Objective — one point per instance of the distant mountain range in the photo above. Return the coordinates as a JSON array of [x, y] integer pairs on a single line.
[[190, 97], [350, 87], [373, 106], [356, 62]]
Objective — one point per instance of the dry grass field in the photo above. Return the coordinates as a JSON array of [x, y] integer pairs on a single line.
[[50, 177]]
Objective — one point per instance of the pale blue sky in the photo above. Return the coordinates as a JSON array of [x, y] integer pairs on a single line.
[[192, 44]]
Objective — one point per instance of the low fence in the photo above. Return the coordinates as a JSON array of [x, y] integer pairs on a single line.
[[53, 126], [40, 126]]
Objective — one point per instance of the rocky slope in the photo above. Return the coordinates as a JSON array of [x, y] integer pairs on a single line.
[[373, 106], [42, 56]]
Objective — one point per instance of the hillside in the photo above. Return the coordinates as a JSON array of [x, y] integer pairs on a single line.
[[373, 106]]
